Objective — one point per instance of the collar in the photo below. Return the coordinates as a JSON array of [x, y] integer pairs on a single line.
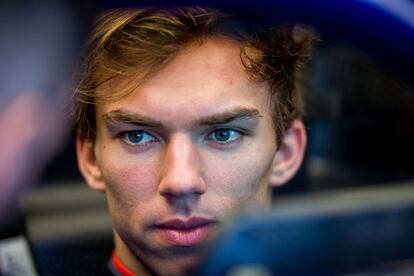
[[120, 267]]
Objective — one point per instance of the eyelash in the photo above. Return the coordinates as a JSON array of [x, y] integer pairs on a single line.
[[125, 137]]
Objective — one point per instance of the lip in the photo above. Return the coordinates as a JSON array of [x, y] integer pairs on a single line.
[[190, 232]]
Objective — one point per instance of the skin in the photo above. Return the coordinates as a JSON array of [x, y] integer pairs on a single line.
[[208, 150]]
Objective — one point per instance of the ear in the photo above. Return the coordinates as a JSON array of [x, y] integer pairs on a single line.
[[87, 163], [289, 156]]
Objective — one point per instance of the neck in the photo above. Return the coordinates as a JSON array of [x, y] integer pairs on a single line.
[[129, 259]]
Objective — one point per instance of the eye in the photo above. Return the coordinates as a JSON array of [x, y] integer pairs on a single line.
[[224, 135], [138, 137]]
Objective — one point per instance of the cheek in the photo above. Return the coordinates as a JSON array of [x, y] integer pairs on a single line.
[[131, 182], [128, 179], [242, 176]]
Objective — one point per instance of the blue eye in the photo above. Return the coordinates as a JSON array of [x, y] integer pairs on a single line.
[[138, 137], [224, 135]]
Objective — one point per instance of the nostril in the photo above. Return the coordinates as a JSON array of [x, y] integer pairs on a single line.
[[182, 203], [181, 194]]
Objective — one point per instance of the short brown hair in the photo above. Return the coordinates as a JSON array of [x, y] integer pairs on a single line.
[[139, 42]]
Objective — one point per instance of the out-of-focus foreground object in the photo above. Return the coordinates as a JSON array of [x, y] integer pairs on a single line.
[[355, 232]]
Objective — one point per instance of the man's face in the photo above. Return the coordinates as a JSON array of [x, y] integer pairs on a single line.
[[186, 149]]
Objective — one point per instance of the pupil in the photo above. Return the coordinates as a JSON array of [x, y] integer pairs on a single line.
[[135, 137], [222, 135]]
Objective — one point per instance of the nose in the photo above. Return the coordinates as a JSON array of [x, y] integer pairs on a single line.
[[182, 177]]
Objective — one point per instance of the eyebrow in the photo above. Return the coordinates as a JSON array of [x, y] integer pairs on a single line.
[[126, 117], [237, 113]]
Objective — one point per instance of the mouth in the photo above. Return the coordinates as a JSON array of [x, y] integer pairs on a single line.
[[190, 232]]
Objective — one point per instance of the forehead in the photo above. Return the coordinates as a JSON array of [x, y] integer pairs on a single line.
[[200, 80]]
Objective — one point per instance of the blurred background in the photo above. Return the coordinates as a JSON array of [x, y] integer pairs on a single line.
[[360, 112]]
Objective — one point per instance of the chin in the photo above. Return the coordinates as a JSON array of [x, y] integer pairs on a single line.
[[178, 266]]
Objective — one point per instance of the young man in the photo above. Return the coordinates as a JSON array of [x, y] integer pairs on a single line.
[[185, 117]]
